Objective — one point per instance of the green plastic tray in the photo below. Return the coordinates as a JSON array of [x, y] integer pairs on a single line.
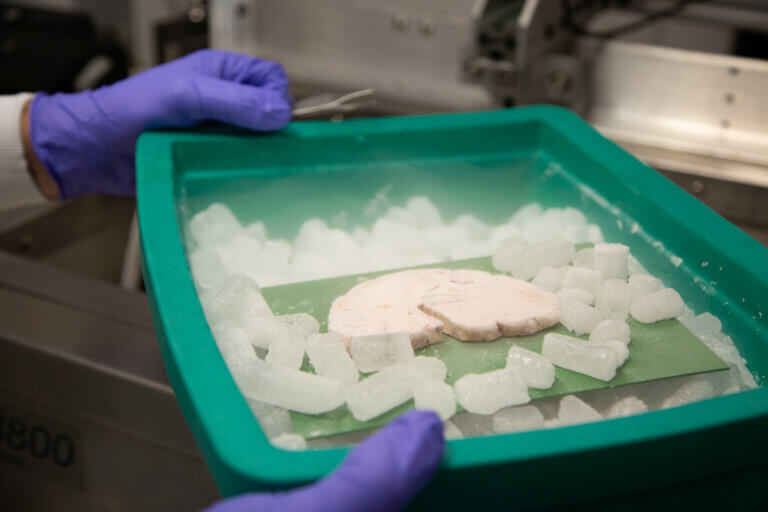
[[488, 164]]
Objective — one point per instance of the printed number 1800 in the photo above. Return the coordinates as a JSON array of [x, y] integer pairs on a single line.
[[37, 440]]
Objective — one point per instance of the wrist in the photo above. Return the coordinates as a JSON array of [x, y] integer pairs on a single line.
[[37, 171]]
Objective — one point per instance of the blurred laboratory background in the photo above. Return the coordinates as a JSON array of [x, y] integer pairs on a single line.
[[683, 85]]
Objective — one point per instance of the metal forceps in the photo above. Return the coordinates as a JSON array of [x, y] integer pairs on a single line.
[[347, 103]]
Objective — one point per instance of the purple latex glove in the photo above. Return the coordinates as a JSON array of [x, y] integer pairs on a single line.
[[86, 140], [382, 474]]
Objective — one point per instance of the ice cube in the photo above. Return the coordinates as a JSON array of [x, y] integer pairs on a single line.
[[379, 351], [556, 221], [584, 258], [641, 285], [502, 233], [576, 294], [543, 228], [403, 237], [574, 410], [273, 420], [329, 358], [429, 368], [425, 213], [379, 393], [339, 244], [301, 323], [610, 330], [207, 269], [536, 370], [656, 306], [291, 441], [257, 231], [722, 346], [634, 267], [613, 299], [612, 260], [214, 226], [578, 317], [264, 330], [310, 266], [576, 234], [705, 324], [435, 395], [287, 350], [451, 431], [686, 316], [284, 336], [596, 360], [691, 391], [627, 406], [472, 228], [746, 379], [287, 388], [471, 425], [526, 213], [509, 255], [516, 419], [273, 258], [619, 350], [237, 256], [595, 234], [233, 342], [238, 301], [311, 235], [486, 393], [549, 278], [583, 278], [400, 216], [573, 217], [361, 236], [550, 253]]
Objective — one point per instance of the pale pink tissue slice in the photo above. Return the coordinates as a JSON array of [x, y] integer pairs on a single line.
[[476, 306], [388, 304], [467, 304]]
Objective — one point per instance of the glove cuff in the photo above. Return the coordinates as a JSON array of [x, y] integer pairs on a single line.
[[17, 188], [47, 141], [83, 148]]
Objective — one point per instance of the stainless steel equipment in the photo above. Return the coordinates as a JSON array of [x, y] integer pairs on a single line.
[[670, 89], [410, 53], [87, 418]]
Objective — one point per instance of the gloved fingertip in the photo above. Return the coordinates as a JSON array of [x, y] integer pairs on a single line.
[[274, 115], [421, 418], [396, 462], [423, 430], [263, 109], [425, 425], [382, 474]]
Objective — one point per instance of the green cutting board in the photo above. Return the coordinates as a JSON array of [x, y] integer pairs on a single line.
[[658, 351]]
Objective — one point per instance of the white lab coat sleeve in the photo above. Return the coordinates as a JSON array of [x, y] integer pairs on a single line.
[[17, 188]]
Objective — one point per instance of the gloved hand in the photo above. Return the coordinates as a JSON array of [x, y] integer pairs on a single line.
[[382, 474], [86, 140]]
